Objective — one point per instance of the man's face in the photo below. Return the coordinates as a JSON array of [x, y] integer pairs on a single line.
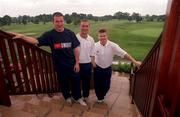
[[84, 28], [58, 22], [102, 38]]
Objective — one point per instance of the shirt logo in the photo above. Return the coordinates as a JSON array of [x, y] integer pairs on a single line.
[[97, 52], [66, 45], [57, 45], [62, 45]]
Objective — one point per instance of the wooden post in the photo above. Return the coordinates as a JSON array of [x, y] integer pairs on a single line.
[[4, 96]]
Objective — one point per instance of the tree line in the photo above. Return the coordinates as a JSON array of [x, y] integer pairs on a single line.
[[75, 18]]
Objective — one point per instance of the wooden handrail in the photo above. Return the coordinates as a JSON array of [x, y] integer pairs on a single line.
[[157, 82], [153, 49], [26, 68]]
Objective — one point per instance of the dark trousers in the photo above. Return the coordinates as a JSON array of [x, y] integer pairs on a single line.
[[69, 82], [85, 75], [102, 80]]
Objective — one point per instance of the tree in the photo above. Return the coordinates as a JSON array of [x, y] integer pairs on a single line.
[[161, 18], [19, 19], [36, 20], [107, 17], [1, 21], [82, 16], [130, 18], [90, 16], [67, 18], [44, 18], [137, 17], [95, 18], [6, 20], [121, 15], [75, 18], [24, 19], [76, 21]]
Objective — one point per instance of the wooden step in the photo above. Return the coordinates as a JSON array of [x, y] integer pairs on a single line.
[[39, 111], [10, 112], [91, 114], [56, 113]]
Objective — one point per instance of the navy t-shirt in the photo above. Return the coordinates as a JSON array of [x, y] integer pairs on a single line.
[[62, 45]]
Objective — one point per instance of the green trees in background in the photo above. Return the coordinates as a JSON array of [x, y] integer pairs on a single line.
[[6, 20], [75, 18]]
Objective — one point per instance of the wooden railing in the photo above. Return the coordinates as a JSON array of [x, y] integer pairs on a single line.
[[144, 80], [156, 90], [25, 68]]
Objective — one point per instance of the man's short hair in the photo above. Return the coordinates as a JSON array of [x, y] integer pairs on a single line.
[[84, 20], [57, 14], [102, 30]]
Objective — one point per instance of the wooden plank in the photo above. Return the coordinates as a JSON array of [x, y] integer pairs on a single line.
[[36, 70], [47, 71], [162, 106], [50, 78], [16, 66], [4, 97], [25, 77], [30, 68], [8, 73], [56, 84], [147, 84], [40, 67], [154, 61]]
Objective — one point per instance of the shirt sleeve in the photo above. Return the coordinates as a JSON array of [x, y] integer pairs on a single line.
[[119, 51], [75, 41], [44, 39], [92, 52]]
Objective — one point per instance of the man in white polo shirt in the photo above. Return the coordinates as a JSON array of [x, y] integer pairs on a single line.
[[86, 56], [104, 53]]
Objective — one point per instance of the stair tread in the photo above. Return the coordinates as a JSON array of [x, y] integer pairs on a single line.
[[10, 112]]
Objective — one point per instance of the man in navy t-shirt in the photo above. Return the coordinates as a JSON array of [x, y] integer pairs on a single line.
[[65, 54]]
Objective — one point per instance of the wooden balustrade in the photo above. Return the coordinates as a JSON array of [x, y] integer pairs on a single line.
[[25, 68], [144, 80], [156, 86]]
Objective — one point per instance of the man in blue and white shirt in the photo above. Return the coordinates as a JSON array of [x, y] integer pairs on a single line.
[[65, 55]]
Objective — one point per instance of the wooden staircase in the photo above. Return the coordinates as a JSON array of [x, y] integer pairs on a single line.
[[117, 104], [155, 87]]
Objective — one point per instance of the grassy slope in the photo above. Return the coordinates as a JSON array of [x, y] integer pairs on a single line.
[[136, 38]]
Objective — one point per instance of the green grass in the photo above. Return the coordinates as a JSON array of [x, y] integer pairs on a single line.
[[136, 38]]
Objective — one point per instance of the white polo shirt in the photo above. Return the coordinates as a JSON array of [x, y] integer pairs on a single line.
[[86, 48], [104, 54]]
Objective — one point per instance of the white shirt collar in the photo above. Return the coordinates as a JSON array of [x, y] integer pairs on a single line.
[[107, 43], [83, 37]]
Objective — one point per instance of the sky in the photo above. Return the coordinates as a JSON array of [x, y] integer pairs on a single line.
[[15, 8]]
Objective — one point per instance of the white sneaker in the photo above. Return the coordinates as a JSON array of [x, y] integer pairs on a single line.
[[68, 100], [100, 101], [85, 99], [81, 102]]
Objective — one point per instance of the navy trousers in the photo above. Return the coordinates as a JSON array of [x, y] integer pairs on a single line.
[[69, 82], [102, 80], [85, 75]]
